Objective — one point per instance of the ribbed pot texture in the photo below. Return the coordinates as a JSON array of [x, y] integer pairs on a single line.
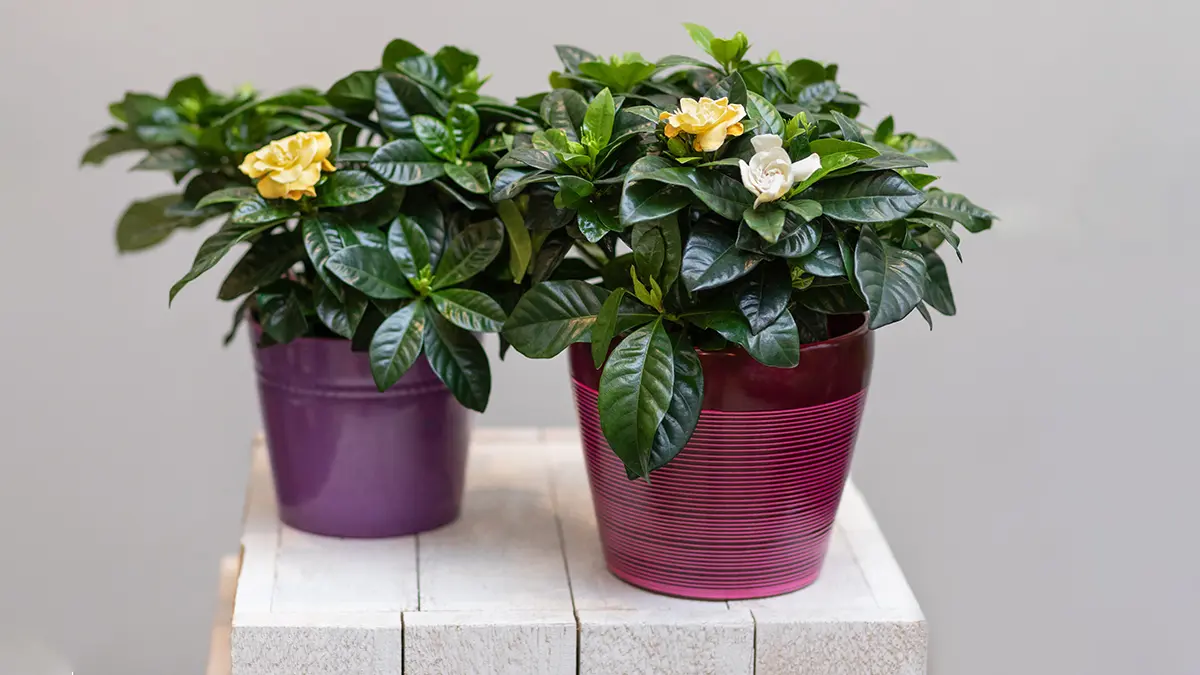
[[747, 507], [350, 461]]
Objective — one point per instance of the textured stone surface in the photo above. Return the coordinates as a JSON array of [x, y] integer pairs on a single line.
[[708, 641], [518, 586], [497, 643]]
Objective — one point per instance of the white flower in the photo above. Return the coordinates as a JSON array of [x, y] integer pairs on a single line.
[[771, 172]]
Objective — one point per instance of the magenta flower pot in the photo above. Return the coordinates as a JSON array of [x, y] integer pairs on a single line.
[[747, 507], [350, 461]]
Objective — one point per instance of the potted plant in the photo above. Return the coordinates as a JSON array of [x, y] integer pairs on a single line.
[[745, 238], [372, 264]]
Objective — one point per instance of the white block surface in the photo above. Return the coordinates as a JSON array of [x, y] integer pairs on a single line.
[[518, 586]]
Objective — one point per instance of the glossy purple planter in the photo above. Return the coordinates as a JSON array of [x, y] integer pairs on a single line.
[[747, 507], [350, 461]]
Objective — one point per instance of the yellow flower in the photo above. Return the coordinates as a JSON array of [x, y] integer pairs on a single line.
[[708, 120], [290, 167]]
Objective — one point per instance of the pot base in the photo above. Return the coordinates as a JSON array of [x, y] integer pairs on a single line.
[[707, 593]]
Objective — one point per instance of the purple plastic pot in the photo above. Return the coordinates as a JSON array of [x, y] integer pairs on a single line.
[[350, 461]]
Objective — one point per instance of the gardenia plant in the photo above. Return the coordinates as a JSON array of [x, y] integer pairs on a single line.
[[739, 212], [364, 209]]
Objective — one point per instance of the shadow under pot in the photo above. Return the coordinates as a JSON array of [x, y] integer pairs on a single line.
[[349, 460], [746, 509]]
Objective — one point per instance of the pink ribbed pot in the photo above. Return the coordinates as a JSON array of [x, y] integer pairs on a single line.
[[747, 508]]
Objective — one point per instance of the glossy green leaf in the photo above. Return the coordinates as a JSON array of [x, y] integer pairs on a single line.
[[765, 294], [830, 146], [891, 279], [777, 345], [687, 394], [552, 315], [397, 50], [470, 176], [110, 146], [324, 235], [174, 158], [471, 310], [511, 182], [397, 99], [455, 63], [397, 344], [729, 51], [409, 246], [529, 156], [565, 109], [839, 299], [464, 125], [282, 316], [259, 211], [406, 162], [702, 36], [348, 187], [597, 126], [959, 209], [648, 237], [851, 131], [213, 249], [145, 223], [646, 200], [423, 70], [886, 127], [867, 197], [226, 196], [459, 361], [887, 160], [719, 192], [436, 136], [929, 150], [768, 118], [732, 86], [711, 258], [943, 230], [824, 261], [805, 208], [767, 221], [268, 259], [520, 246], [469, 253], [340, 317], [635, 392], [595, 220], [571, 57], [803, 72], [919, 180], [937, 285], [798, 238], [814, 96], [354, 93], [813, 326], [621, 77], [605, 328], [370, 270]]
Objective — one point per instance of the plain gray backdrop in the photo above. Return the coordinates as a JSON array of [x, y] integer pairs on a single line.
[[1033, 461]]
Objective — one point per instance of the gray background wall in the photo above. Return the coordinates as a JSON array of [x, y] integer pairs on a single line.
[[1033, 460]]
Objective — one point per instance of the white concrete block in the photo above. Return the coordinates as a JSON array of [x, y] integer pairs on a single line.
[[519, 586], [489, 642]]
